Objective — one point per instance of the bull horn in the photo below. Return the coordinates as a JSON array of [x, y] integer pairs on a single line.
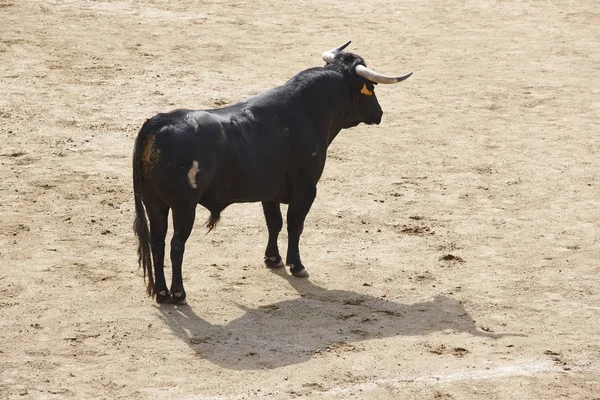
[[373, 76], [329, 55]]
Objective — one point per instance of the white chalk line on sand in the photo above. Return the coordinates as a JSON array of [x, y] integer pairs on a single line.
[[521, 368], [503, 371]]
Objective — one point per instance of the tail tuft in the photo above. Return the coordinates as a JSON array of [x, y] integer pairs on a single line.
[[140, 228]]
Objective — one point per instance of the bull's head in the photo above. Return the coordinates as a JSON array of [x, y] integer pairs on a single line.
[[362, 80]]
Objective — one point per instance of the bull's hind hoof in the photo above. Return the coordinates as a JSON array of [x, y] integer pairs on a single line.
[[273, 262], [298, 272], [178, 298], [163, 297]]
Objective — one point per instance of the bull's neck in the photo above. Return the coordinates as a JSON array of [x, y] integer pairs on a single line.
[[327, 102]]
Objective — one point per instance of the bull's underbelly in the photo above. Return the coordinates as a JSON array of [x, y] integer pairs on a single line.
[[248, 188]]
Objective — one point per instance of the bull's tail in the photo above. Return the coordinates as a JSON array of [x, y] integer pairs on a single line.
[[140, 225]]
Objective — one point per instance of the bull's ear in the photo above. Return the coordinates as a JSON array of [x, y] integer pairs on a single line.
[[365, 90]]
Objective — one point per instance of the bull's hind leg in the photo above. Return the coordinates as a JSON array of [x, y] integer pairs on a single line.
[[299, 206], [183, 222], [158, 218], [158, 213], [274, 224]]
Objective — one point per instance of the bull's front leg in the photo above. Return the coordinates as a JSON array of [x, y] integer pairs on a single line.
[[274, 224], [299, 206]]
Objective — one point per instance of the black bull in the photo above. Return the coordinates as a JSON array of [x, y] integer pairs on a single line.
[[269, 148]]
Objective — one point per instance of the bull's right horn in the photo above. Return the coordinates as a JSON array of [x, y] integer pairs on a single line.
[[329, 55], [373, 76]]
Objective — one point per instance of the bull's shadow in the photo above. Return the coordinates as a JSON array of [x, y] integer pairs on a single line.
[[292, 331]]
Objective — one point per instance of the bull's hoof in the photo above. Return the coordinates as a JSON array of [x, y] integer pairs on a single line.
[[163, 297], [178, 298], [274, 262], [298, 271]]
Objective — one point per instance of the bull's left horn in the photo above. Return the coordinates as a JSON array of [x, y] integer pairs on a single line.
[[329, 55], [373, 76]]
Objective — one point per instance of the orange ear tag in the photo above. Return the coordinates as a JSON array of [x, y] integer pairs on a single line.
[[366, 91]]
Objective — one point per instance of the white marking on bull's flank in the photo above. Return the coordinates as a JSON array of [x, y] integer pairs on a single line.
[[192, 174], [522, 368]]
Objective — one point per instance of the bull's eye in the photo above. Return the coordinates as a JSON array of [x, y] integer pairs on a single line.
[[366, 91]]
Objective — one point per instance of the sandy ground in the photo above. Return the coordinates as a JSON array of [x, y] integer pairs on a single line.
[[454, 249]]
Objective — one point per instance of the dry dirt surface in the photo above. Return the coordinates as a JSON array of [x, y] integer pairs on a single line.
[[454, 249]]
